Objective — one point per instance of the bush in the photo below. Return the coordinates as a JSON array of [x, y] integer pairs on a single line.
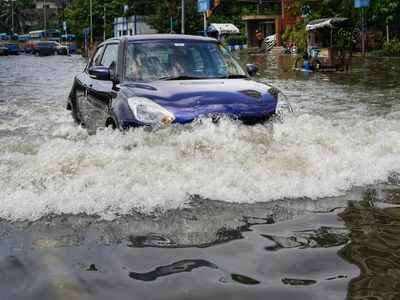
[[392, 48], [297, 35], [236, 40]]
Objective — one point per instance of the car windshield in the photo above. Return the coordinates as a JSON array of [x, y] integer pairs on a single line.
[[173, 60]]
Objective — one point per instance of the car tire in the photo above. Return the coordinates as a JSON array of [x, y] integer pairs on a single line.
[[111, 122], [74, 113]]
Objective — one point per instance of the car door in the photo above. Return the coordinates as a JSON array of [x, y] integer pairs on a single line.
[[99, 92], [82, 82]]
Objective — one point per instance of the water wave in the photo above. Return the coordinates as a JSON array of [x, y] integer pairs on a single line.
[[113, 173]]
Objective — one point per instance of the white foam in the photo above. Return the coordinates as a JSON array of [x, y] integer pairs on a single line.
[[112, 173]]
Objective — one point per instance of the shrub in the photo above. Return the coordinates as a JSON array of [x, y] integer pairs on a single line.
[[392, 48], [236, 40], [297, 35]]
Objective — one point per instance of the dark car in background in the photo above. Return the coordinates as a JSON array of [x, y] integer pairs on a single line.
[[3, 49], [60, 49], [159, 80], [43, 48]]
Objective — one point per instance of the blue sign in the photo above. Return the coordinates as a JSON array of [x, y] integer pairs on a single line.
[[361, 3], [203, 5]]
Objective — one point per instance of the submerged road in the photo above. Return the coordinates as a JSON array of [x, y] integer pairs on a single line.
[[307, 210]]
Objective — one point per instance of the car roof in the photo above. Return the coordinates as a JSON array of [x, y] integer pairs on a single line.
[[154, 37]]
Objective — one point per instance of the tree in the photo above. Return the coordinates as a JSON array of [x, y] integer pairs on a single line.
[[19, 7]]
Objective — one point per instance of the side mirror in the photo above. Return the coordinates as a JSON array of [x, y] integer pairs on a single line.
[[251, 69], [100, 72]]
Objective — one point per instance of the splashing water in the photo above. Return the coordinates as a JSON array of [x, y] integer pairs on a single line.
[[333, 141]]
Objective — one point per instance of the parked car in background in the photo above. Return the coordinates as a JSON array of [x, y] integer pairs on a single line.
[[24, 37], [28, 46], [13, 48], [3, 49], [61, 49], [43, 48], [4, 37]]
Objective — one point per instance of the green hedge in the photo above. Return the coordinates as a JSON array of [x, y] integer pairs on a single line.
[[392, 48]]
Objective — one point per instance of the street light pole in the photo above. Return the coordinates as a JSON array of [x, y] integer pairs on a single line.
[[363, 31], [44, 19], [183, 17], [12, 17], [91, 23], [387, 31], [205, 23], [104, 22]]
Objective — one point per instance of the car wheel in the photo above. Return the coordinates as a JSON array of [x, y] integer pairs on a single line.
[[111, 123], [74, 113]]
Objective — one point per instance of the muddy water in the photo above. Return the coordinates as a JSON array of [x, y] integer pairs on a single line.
[[305, 210]]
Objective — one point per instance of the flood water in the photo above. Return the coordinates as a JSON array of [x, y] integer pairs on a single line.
[[304, 208]]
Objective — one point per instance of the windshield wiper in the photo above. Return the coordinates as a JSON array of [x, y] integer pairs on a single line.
[[181, 77]]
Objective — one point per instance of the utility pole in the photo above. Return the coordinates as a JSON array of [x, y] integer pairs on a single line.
[[205, 23], [125, 26], [387, 31], [91, 23], [363, 30], [134, 20], [12, 17], [104, 22], [44, 19], [183, 17]]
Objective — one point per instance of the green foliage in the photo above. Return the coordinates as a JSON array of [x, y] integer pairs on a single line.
[[384, 11], [160, 12], [78, 16], [297, 35], [392, 48], [19, 7], [343, 39], [236, 40]]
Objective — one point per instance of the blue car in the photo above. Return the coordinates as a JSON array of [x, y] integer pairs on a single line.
[[13, 49], [159, 80]]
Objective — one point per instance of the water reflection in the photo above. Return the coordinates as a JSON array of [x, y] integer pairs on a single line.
[[177, 267], [188, 265], [323, 237], [374, 248], [294, 281]]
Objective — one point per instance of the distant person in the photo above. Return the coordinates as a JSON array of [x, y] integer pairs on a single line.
[[306, 63], [260, 38]]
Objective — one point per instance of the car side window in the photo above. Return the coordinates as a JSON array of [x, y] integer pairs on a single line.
[[96, 61], [110, 55]]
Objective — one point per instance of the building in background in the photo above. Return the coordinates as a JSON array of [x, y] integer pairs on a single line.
[[272, 17], [49, 4], [32, 18], [131, 26]]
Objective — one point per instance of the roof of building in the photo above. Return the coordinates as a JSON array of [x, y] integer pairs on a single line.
[[223, 28], [327, 22]]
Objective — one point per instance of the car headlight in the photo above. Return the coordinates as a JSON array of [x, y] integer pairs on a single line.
[[274, 92], [148, 112], [283, 106]]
